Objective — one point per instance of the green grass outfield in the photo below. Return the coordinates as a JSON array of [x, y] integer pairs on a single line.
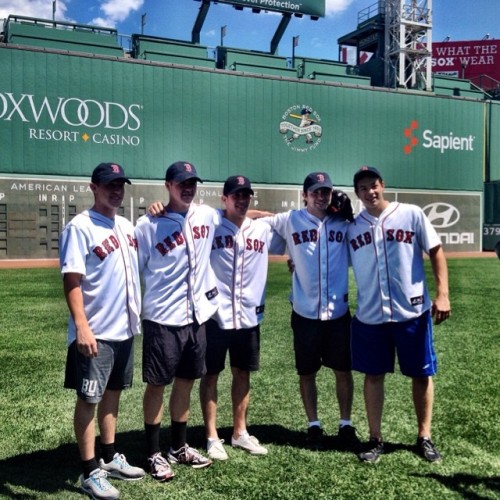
[[38, 454]]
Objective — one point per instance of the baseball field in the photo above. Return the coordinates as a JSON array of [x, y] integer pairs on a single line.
[[38, 454]]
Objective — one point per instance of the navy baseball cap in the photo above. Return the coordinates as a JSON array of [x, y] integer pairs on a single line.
[[105, 173], [317, 180], [366, 171], [181, 171], [237, 183]]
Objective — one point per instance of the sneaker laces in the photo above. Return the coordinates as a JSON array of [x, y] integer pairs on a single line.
[[217, 444], [121, 461], [101, 479], [191, 454], [159, 460], [427, 446]]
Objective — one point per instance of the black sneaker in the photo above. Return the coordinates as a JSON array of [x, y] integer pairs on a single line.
[[347, 438], [374, 450], [426, 449], [314, 438]]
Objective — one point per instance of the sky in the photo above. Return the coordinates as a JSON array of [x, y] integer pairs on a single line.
[[458, 19]]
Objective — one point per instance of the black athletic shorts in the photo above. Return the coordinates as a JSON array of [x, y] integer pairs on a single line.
[[172, 351], [243, 346], [318, 343]]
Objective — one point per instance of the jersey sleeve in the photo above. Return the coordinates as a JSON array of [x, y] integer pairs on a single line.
[[276, 243], [143, 244], [218, 217], [73, 250], [278, 223], [427, 237]]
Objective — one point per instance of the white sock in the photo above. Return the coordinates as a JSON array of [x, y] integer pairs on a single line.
[[345, 422], [314, 423]]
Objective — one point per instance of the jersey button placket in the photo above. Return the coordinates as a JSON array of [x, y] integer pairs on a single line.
[[324, 276], [382, 271]]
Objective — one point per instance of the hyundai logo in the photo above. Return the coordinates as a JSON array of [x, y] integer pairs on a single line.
[[442, 215]]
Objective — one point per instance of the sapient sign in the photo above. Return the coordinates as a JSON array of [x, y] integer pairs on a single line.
[[432, 140], [308, 7], [118, 124]]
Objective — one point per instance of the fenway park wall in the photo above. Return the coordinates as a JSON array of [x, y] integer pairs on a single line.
[[63, 112]]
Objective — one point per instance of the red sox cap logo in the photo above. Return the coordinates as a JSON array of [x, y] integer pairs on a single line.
[[188, 167], [115, 168], [241, 181], [320, 177]]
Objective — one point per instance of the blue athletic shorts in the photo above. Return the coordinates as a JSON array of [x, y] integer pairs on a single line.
[[374, 347], [243, 346]]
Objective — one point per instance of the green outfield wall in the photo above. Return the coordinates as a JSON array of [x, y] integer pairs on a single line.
[[62, 113]]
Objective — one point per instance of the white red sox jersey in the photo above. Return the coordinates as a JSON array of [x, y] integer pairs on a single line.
[[387, 259], [239, 259], [320, 255], [104, 252], [174, 262]]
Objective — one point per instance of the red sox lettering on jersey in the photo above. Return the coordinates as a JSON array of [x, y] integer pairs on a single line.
[[228, 241], [397, 235], [239, 259], [170, 242], [311, 235], [386, 255], [177, 239], [174, 259], [319, 252], [111, 244]]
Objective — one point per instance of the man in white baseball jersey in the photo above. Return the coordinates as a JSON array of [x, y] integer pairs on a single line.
[[394, 313], [98, 259], [239, 259], [316, 242], [180, 295]]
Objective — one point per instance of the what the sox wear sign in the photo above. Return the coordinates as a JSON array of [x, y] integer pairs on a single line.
[[467, 59]]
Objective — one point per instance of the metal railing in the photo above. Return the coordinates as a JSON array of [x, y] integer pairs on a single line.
[[371, 11]]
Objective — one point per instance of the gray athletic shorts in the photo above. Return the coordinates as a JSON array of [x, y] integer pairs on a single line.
[[318, 343], [243, 346], [172, 351], [112, 369]]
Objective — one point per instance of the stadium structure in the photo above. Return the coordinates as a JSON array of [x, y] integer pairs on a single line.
[[71, 97]]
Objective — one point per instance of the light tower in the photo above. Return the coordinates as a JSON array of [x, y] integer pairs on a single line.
[[408, 44]]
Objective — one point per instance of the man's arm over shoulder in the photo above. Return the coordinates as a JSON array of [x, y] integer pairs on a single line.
[[277, 243], [258, 214]]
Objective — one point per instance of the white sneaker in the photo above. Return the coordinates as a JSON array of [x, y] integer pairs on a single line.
[[98, 487], [249, 443], [215, 449], [121, 469]]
